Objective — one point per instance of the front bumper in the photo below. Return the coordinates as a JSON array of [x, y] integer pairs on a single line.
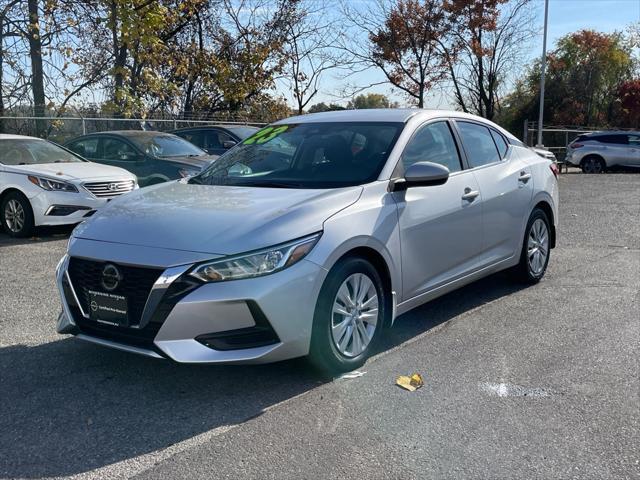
[[49, 208], [256, 320]]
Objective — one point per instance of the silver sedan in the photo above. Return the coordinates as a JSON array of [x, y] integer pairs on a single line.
[[309, 238]]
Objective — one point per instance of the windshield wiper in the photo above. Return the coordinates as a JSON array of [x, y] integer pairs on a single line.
[[267, 184]]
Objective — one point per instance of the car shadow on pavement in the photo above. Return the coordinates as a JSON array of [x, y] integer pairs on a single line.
[[70, 407], [448, 307], [40, 235]]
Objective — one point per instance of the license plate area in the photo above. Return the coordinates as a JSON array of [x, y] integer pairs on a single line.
[[108, 308]]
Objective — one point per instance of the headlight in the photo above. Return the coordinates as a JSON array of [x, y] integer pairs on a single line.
[[256, 264], [52, 185]]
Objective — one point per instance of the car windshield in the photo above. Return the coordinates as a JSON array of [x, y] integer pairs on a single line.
[[167, 146], [29, 151], [307, 155]]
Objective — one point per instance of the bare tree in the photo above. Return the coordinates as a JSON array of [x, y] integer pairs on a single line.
[[484, 47], [400, 38], [36, 43], [310, 51]]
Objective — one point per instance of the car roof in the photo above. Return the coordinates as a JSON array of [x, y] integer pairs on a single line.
[[204, 127], [9, 136], [377, 115], [129, 133], [611, 132], [399, 115]]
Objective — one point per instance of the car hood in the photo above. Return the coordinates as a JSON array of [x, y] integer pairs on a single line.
[[219, 220], [72, 171]]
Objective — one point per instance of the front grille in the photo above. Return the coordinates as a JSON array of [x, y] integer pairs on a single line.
[[136, 284], [110, 189]]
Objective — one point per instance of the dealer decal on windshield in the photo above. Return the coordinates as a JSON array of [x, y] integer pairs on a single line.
[[264, 135]]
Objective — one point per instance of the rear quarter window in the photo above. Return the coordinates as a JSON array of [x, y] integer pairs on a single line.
[[502, 145]]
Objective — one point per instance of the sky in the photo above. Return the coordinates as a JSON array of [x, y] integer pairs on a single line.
[[565, 16]]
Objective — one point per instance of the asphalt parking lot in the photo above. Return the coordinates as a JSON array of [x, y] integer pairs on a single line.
[[537, 382]]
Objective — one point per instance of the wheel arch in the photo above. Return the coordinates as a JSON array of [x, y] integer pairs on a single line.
[[10, 190], [546, 208], [377, 260]]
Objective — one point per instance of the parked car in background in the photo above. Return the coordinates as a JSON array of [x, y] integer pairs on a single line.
[[216, 140], [154, 157], [544, 153], [597, 152], [44, 184], [309, 237]]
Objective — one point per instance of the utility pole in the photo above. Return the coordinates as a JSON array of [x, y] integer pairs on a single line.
[[542, 72]]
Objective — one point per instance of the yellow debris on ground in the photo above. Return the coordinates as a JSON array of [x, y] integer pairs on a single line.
[[411, 383]]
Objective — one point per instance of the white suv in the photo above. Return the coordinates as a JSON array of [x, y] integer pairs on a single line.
[[44, 184], [596, 152]]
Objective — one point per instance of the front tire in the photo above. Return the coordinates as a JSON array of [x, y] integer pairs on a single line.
[[536, 249], [349, 317], [16, 215]]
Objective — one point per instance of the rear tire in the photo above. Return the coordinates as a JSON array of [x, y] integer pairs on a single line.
[[16, 215], [536, 249], [350, 314], [593, 164]]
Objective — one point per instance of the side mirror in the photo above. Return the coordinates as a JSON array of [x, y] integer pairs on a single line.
[[423, 174], [228, 144]]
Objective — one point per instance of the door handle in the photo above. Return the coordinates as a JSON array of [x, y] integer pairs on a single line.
[[524, 177], [470, 195]]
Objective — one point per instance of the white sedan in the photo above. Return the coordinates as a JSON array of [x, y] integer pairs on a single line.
[[44, 184]]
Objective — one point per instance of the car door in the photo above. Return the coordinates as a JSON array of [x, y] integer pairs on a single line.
[[214, 141], [120, 153], [632, 157], [440, 226], [506, 183], [616, 149]]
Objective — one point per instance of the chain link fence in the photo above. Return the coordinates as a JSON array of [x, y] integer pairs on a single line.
[[62, 129]]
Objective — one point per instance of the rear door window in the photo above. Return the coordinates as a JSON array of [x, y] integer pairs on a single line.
[[478, 144], [195, 137], [613, 139]]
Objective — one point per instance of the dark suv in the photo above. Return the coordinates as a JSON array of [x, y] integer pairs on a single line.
[[596, 152], [154, 157]]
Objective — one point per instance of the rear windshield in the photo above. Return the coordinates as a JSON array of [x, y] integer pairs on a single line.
[[243, 132], [29, 151], [307, 155]]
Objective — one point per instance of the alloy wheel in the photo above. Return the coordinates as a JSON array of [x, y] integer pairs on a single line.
[[538, 247], [354, 315], [592, 165], [14, 216]]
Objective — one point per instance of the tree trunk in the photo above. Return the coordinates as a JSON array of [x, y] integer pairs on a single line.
[[120, 59], [1, 74], [37, 74]]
